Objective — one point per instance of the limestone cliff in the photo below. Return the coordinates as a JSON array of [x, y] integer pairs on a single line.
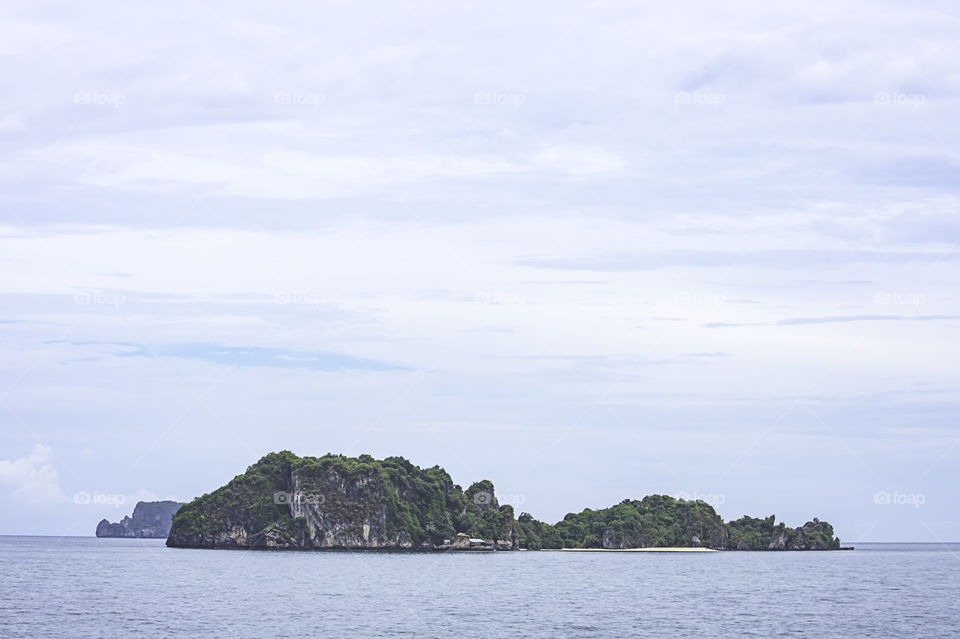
[[286, 501], [289, 502], [663, 521], [151, 520]]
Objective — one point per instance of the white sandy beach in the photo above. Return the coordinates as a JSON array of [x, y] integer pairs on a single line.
[[633, 549]]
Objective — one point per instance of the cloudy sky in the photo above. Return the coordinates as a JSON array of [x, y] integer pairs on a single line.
[[588, 251]]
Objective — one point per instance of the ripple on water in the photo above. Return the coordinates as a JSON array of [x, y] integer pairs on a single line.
[[87, 587]]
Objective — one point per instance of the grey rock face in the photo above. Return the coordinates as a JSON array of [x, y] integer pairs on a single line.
[[321, 506], [150, 520], [779, 541]]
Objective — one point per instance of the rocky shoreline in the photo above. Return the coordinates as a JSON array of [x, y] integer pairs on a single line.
[[286, 502], [150, 520]]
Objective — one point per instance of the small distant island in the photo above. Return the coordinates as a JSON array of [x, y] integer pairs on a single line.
[[360, 503], [151, 520]]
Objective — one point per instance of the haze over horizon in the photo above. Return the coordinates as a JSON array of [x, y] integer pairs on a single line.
[[587, 252]]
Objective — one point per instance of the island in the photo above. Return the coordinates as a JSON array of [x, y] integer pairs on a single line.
[[151, 520], [287, 502]]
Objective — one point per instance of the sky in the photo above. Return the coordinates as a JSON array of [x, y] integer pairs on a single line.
[[589, 251]]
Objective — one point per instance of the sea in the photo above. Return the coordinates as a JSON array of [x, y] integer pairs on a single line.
[[72, 587]]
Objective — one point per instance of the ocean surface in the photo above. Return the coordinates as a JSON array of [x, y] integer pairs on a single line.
[[74, 587]]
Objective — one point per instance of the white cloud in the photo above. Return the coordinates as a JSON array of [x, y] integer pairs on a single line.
[[469, 192], [33, 478], [292, 174], [11, 122]]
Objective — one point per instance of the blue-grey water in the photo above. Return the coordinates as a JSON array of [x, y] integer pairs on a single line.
[[74, 587]]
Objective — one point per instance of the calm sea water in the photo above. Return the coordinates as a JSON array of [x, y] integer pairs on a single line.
[[87, 587]]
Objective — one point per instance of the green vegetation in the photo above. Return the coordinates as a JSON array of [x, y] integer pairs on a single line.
[[536, 535], [246, 501], [657, 520], [750, 533], [662, 521], [286, 501]]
